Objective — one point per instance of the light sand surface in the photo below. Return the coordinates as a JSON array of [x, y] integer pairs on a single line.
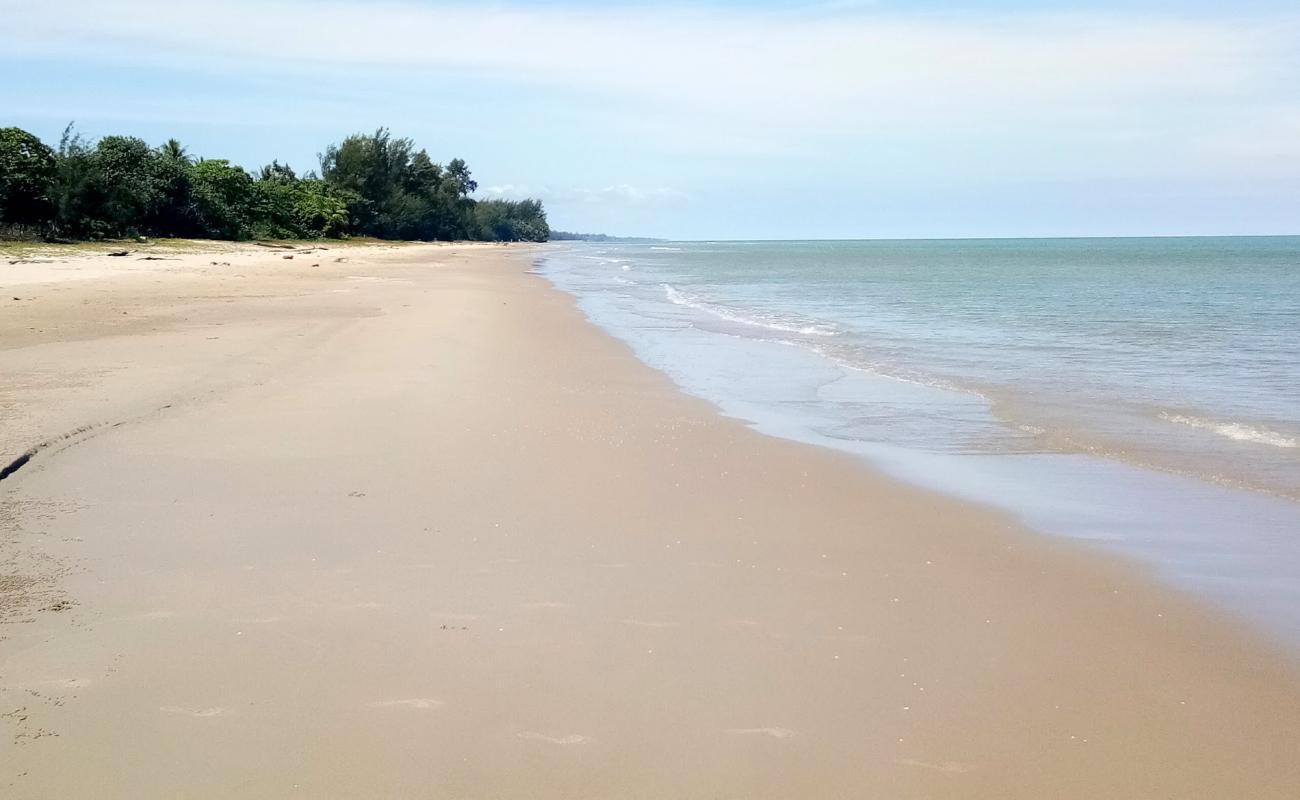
[[409, 526]]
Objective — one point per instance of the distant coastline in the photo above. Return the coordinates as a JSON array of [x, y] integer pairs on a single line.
[[570, 236]]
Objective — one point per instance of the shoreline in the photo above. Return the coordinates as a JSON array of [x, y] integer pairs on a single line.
[[809, 370], [320, 544]]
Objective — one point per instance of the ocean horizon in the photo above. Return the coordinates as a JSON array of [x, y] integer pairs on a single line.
[[1137, 392], [883, 239]]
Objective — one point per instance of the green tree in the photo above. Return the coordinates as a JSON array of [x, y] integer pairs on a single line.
[[77, 189], [371, 168], [398, 191], [371, 184], [275, 171], [422, 176], [175, 214], [511, 221], [223, 197], [130, 186], [321, 210], [27, 174], [174, 151], [274, 211], [458, 174], [115, 188]]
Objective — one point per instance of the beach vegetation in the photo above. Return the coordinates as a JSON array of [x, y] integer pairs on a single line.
[[511, 221], [27, 172], [224, 197], [371, 185]]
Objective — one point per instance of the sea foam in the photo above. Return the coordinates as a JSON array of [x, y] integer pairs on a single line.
[[757, 319], [1233, 430]]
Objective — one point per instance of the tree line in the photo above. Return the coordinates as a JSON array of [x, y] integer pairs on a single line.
[[368, 185]]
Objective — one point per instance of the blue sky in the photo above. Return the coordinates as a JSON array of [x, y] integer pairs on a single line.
[[724, 119]]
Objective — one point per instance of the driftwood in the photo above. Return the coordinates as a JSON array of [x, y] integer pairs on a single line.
[[275, 246], [120, 253]]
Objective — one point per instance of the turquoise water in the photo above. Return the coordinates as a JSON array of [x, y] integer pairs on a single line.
[[1143, 393]]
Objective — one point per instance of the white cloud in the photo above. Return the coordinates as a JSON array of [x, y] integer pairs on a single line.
[[854, 68], [600, 110]]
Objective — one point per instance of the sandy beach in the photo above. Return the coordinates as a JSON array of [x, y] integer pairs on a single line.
[[397, 521]]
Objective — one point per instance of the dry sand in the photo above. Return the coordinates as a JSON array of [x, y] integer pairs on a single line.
[[409, 526]]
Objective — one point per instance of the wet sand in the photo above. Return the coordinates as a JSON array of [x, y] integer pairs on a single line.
[[408, 525]]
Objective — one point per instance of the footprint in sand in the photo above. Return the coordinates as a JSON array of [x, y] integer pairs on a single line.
[[775, 733], [574, 738], [421, 703]]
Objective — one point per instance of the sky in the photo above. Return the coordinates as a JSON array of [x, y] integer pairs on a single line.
[[711, 120]]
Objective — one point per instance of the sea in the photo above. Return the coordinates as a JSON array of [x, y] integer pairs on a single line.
[[1142, 394]]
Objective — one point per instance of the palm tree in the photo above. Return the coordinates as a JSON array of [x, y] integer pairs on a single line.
[[174, 150]]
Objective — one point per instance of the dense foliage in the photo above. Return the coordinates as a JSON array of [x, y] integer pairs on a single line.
[[511, 221], [369, 185], [27, 171]]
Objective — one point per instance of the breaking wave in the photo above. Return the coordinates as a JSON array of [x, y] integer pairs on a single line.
[[1233, 430], [757, 319]]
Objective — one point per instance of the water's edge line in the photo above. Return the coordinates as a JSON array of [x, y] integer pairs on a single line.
[[1146, 569]]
